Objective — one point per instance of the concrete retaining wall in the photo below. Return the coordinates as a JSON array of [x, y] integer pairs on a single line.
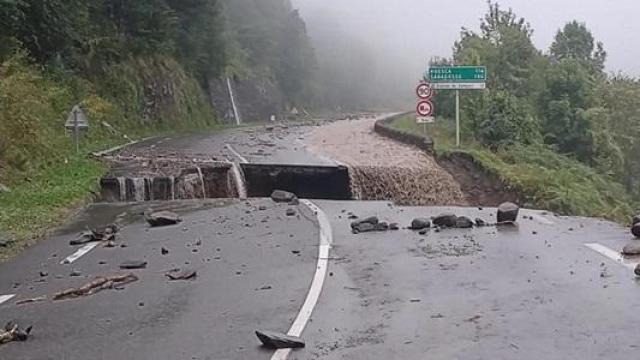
[[384, 128]]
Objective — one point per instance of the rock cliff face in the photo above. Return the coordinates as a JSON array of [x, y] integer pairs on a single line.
[[256, 98]]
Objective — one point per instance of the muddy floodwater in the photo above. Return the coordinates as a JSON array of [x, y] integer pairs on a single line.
[[382, 169]]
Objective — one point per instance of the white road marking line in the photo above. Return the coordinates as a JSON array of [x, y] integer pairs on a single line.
[[242, 158], [80, 253], [326, 239], [613, 255], [542, 219], [5, 298]]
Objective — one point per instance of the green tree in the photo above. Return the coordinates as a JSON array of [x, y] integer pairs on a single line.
[[499, 119], [568, 94], [575, 41]]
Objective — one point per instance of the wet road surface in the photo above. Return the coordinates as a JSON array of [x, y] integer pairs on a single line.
[[527, 292]]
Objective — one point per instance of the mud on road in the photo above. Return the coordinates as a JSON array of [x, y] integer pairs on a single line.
[[382, 169]]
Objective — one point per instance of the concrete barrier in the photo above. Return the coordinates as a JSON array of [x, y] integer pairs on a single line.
[[384, 128]]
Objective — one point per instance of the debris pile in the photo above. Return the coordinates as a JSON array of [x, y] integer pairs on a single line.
[[370, 224], [106, 234], [13, 332], [97, 285], [276, 340], [411, 186], [162, 218]]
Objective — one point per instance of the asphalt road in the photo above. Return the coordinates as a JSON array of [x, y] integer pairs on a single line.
[[527, 292]]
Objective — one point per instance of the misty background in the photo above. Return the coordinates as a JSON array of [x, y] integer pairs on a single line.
[[377, 49]]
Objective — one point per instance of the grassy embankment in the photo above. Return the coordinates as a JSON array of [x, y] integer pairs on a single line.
[[38, 163], [546, 179]]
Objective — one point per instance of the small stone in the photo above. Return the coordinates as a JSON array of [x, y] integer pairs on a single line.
[[283, 196], [508, 212], [636, 220], [423, 232], [295, 251], [110, 244], [133, 264], [635, 230], [464, 222], [141, 304], [480, 222], [178, 274], [446, 220], [370, 220], [266, 287], [262, 208], [276, 340], [420, 223], [163, 218], [637, 270], [44, 274], [164, 251], [291, 212], [75, 273], [394, 226]]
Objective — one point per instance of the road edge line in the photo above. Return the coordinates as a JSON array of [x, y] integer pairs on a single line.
[[5, 298], [237, 154], [612, 255], [325, 239]]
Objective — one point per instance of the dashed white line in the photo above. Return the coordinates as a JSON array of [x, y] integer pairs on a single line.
[[5, 298], [613, 255], [242, 158], [326, 239], [81, 252]]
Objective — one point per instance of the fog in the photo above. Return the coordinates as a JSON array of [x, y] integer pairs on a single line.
[[403, 35]]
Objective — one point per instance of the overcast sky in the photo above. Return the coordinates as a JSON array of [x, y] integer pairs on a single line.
[[415, 30]]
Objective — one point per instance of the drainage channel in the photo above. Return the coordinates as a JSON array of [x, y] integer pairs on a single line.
[[226, 180]]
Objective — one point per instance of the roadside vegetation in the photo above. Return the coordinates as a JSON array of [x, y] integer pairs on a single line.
[[137, 68], [551, 124]]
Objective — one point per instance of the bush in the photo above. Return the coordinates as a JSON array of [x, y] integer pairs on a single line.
[[499, 119]]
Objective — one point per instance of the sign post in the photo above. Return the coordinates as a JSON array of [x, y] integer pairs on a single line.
[[424, 109], [77, 123], [457, 78]]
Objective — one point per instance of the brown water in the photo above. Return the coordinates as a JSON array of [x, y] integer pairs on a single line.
[[383, 169]]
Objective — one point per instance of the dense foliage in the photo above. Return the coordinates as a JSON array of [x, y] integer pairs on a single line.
[[560, 99], [137, 66]]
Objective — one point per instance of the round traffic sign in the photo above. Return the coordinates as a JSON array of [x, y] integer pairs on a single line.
[[425, 108], [424, 91]]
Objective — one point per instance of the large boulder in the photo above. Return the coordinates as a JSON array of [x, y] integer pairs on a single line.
[[163, 218], [420, 223], [464, 222], [635, 230], [276, 340], [445, 220], [282, 196], [637, 270], [636, 220], [632, 249], [508, 212]]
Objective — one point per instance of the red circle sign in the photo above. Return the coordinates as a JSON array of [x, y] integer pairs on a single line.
[[424, 91], [425, 108]]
